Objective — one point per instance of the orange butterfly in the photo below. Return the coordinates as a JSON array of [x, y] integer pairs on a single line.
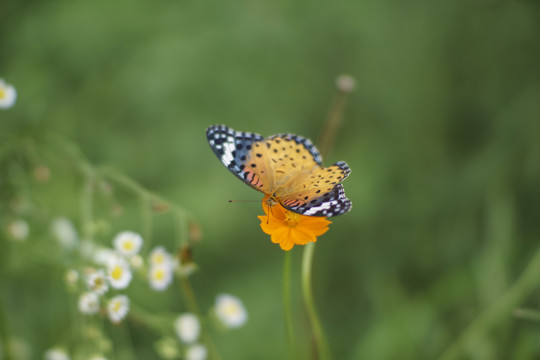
[[286, 168]]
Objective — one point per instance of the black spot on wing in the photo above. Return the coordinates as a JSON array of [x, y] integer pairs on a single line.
[[308, 145], [346, 170], [232, 147]]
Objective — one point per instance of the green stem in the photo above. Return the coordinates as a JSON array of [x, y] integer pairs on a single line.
[[147, 222], [320, 339], [527, 314], [192, 305], [497, 312], [287, 305]]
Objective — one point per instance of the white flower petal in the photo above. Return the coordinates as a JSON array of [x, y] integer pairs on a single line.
[[231, 311], [128, 243], [117, 308], [187, 328]]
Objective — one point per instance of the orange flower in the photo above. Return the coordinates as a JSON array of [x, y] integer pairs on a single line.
[[287, 228]]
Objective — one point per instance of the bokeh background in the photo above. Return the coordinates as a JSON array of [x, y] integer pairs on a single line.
[[441, 135]]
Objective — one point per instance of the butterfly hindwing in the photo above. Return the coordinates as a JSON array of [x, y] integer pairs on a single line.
[[320, 193]]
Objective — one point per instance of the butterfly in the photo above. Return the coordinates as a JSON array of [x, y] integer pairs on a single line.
[[285, 167]]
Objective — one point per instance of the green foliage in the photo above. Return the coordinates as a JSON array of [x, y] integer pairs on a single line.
[[441, 136]]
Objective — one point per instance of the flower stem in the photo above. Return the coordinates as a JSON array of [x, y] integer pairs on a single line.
[[320, 339], [287, 305], [192, 305], [497, 312]]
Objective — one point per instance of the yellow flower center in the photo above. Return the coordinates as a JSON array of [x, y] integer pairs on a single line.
[[158, 258], [159, 274], [128, 245], [2, 93], [117, 305], [116, 273], [230, 309], [292, 219], [98, 283]]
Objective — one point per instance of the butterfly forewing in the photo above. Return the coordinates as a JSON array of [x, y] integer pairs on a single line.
[[233, 149]]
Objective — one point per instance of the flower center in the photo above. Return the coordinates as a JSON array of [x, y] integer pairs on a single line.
[[292, 219], [159, 274], [128, 245], [231, 309], [117, 305], [2, 93], [116, 273]]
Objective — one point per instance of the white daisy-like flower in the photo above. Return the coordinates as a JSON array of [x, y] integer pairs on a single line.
[[97, 282], [103, 256], [136, 261], [89, 303], [160, 276], [18, 230], [345, 83], [117, 308], [56, 354], [187, 328], [118, 272], [64, 232], [196, 352], [230, 310], [8, 95], [128, 243], [160, 256]]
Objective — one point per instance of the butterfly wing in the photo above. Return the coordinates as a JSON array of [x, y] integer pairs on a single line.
[[233, 149], [285, 166], [320, 192], [264, 164]]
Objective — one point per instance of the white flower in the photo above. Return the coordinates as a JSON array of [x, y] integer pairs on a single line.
[[98, 357], [118, 272], [345, 83], [103, 255], [56, 354], [117, 308], [187, 328], [97, 282], [160, 256], [231, 311], [136, 261], [128, 243], [89, 303], [8, 95], [196, 352], [18, 230], [64, 232], [161, 276]]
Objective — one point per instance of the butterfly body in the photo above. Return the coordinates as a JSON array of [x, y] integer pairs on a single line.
[[285, 167]]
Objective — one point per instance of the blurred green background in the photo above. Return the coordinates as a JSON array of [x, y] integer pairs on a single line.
[[442, 136]]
